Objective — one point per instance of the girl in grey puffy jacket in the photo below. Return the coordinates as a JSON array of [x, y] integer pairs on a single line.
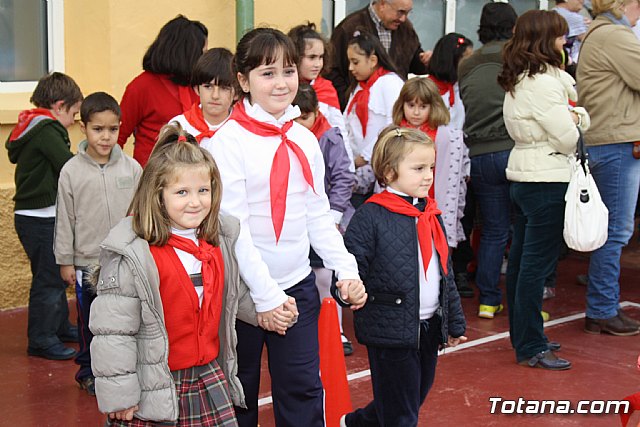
[[165, 335]]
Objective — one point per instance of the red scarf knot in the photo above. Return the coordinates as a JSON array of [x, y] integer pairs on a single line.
[[212, 272], [428, 226], [361, 98], [196, 119], [320, 125], [443, 88], [326, 92], [280, 166]]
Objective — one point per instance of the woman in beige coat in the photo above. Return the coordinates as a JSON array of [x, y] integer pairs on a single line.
[[538, 118]]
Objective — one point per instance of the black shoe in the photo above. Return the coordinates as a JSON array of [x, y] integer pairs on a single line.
[[547, 360], [55, 352], [462, 284], [88, 384], [70, 335], [614, 325], [347, 347], [554, 346], [628, 320]]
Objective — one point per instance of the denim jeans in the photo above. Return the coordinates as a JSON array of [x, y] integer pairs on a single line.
[[48, 309], [84, 297], [491, 190], [617, 175], [401, 379], [537, 235]]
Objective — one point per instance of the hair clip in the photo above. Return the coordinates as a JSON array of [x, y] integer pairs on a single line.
[[460, 41], [398, 132], [356, 33], [182, 138]]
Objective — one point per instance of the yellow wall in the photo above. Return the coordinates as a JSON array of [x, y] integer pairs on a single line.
[[104, 44]]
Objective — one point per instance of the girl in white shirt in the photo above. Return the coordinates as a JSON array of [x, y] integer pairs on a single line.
[[273, 177], [369, 110]]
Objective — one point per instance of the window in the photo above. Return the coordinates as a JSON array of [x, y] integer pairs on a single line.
[[31, 42], [434, 18]]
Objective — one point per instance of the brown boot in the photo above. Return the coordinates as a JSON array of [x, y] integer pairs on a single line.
[[614, 326], [628, 320]]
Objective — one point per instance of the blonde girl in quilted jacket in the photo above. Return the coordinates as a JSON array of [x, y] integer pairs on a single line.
[[168, 295]]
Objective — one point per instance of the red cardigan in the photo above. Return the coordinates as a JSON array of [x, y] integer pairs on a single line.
[[148, 103], [182, 315]]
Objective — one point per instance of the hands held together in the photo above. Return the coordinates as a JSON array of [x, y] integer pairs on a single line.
[[280, 318]]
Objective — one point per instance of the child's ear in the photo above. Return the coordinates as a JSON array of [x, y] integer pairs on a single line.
[[244, 82], [373, 60], [83, 128], [57, 107], [196, 88]]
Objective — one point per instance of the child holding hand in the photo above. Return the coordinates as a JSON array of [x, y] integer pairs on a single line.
[[398, 239]]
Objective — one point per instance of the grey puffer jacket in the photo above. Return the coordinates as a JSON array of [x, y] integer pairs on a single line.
[[130, 349]]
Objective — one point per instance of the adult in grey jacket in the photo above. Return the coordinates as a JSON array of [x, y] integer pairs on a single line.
[[130, 347]]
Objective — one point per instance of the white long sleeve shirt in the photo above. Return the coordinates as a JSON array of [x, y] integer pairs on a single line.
[[382, 95], [244, 160]]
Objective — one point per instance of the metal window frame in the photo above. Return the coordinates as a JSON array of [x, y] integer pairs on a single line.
[[55, 48]]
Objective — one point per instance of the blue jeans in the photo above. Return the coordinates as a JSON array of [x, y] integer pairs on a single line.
[[537, 235], [401, 379], [48, 309], [491, 189], [84, 298], [617, 175]]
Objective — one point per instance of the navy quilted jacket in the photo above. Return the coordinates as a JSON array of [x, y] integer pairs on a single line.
[[385, 245]]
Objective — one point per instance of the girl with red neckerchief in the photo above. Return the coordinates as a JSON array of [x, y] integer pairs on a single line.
[[312, 54], [374, 89], [213, 81], [420, 106], [273, 177]]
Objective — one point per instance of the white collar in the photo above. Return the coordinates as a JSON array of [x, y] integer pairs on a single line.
[[255, 111], [400, 193]]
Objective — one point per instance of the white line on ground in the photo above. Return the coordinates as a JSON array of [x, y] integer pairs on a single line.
[[362, 374]]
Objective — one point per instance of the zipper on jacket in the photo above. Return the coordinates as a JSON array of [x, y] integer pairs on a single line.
[[106, 194]]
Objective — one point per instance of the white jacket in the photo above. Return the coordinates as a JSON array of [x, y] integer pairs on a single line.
[[538, 119]]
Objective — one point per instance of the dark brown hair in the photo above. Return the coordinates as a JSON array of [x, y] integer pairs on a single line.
[[532, 48], [98, 102], [368, 45], [300, 34], [261, 46], [176, 49], [214, 65], [55, 87], [170, 156], [306, 99]]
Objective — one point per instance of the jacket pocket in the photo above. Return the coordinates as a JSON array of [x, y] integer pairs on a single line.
[[392, 299]]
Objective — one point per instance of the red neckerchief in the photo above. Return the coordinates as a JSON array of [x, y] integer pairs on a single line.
[[443, 88], [184, 92], [279, 180], [428, 225], [320, 126], [326, 92], [431, 133], [212, 273], [25, 117], [196, 119], [361, 98]]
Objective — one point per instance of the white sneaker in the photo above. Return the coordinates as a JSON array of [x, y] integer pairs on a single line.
[[343, 422]]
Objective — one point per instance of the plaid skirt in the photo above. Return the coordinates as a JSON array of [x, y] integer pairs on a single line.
[[203, 400]]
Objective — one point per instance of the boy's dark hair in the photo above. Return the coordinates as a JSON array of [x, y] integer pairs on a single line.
[[306, 99], [98, 102], [446, 57], [496, 22], [214, 65], [262, 46], [300, 34], [176, 49], [55, 87]]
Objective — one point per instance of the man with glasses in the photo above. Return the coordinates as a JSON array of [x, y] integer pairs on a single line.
[[388, 19]]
